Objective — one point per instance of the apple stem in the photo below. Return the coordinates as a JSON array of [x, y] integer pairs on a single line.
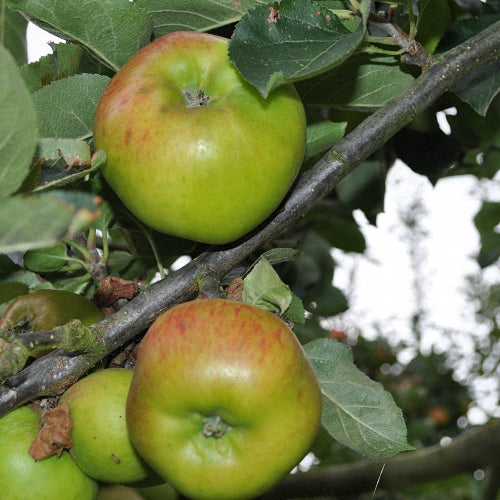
[[196, 99], [215, 426]]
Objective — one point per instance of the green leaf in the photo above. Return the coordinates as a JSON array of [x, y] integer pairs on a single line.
[[18, 283], [280, 255], [66, 108], [106, 216], [431, 27], [357, 411], [13, 34], [295, 312], [43, 220], [27, 278], [112, 30], [68, 159], [63, 62], [337, 227], [329, 302], [72, 151], [293, 40], [194, 15], [18, 134], [364, 188], [263, 288], [486, 221], [321, 135], [309, 330], [9, 291], [315, 266], [7, 266], [430, 153], [364, 83], [49, 259], [480, 86]]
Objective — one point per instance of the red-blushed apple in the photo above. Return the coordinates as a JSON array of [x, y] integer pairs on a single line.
[[101, 444], [23, 478], [193, 150], [224, 401]]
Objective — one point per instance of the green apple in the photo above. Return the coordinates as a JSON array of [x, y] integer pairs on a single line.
[[193, 150], [23, 478], [46, 309], [223, 402], [101, 444]]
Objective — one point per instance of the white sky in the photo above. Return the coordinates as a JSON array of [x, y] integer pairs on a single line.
[[38, 42], [381, 280], [450, 247]]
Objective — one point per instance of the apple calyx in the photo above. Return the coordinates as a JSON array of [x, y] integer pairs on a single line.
[[215, 426], [23, 326], [196, 99]]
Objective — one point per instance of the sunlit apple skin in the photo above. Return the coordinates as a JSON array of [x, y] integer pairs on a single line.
[[216, 359], [192, 149], [23, 478], [101, 444]]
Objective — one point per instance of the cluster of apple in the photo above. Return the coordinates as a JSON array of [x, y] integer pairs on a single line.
[[222, 404]]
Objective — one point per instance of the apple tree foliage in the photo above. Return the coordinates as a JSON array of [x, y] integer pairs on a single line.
[[372, 76]]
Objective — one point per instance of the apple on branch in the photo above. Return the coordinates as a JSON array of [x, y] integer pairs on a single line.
[[223, 402], [193, 150]]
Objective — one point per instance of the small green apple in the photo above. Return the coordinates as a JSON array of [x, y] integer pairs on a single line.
[[193, 150], [23, 478], [101, 444], [224, 401]]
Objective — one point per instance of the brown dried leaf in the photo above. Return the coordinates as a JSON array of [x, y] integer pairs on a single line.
[[127, 358], [235, 290], [55, 434], [113, 288]]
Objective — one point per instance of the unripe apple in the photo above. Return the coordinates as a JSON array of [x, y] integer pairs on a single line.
[[23, 478], [101, 444], [223, 402], [193, 150]]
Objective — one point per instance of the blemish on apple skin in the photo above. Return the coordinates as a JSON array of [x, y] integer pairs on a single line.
[[128, 135]]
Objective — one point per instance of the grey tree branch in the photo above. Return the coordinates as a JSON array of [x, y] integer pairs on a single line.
[[50, 373], [475, 449]]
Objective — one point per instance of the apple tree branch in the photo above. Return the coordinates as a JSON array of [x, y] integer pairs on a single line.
[[475, 449]]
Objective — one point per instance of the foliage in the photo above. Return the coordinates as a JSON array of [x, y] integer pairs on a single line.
[[62, 227]]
